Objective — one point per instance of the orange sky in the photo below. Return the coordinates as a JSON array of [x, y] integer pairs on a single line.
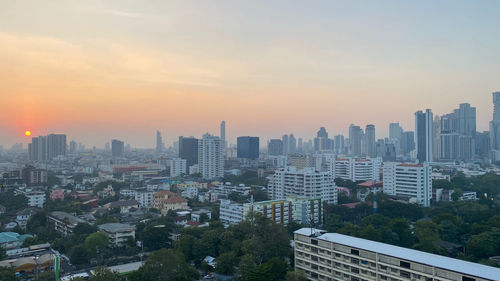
[[101, 70]]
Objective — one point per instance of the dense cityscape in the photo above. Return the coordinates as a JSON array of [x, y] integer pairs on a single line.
[[419, 204]]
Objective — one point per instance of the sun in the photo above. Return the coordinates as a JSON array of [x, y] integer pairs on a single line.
[[27, 133]]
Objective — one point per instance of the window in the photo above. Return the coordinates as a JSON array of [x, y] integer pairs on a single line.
[[355, 252], [404, 274], [465, 278], [314, 241], [404, 264]]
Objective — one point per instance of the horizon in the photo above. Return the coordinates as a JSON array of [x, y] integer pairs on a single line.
[[267, 69]]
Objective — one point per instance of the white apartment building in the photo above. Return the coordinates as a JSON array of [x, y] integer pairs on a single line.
[[190, 192], [127, 193], [409, 181], [230, 213], [35, 198], [118, 233], [177, 167], [333, 256], [355, 169], [307, 182], [211, 157], [144, 198]]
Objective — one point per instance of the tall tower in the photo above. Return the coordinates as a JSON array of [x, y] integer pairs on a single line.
[[423, 135], [495, 123], [159, 142], [355, 133], [370, 141], [211, 157], [223, 131]]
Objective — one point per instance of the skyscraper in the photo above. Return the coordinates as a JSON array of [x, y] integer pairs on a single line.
[[223, 131], [159, 142], [495, 123], [322, 142], [275, 147], [211, 157], [339, 144], [292, 144], [248, 147], [286, 145], [47, 147], [370, 141], [188, 150], [407, 142], [355, 133], [423, 135], [117, 148], [458, 133], [436, 139]]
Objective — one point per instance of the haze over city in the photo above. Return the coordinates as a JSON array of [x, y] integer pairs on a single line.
[[97, 70]]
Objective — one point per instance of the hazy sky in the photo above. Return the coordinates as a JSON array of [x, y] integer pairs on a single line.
[[97, 70]]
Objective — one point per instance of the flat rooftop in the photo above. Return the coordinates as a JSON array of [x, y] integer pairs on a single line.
[[443, 262]]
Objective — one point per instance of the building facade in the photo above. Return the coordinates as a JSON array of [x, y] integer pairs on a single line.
[[248, 147], [424, 128], [409, 181], [211, 157], [355, 169]]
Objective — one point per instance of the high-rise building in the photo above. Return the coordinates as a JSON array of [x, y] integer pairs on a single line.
[[159, 142], [223, 131], [73, 146], [188, 150], [457, 134], [300, 145], [436, 138], [286, 145], [248, 147], [483, 144], [333, 256], [355, 134], [495, 123], [409, 181], [370, 141], [275, 147], [395, 134], [407, 142], [47, 147], [339, 144], [423, 135], [306, 182], [292, 144], [178, 167], [355, 169], [211, 157], [117, 148], [322, 142]]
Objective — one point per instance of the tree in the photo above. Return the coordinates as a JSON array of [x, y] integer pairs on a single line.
[[3, 255], [296, 276], [78, 254], [401, 227], [165, 265], [427, 234], [96, 242], [225, 263], [7, 274]]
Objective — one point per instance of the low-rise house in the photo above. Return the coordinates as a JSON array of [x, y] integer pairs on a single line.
[[166, 200], [195, 215], [63, 222], [57, 194], [24, 215], [124, 205], [118, 233]]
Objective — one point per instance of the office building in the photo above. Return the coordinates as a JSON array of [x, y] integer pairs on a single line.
[[355, 169], [299, 161], [248, 147], [495, 124], [370, 141], [178, 167], [355, 135], [159, 142], [407, 142], [292, 144], [332, 256], [275, 147], [436, 139], [423, 135], [409, 181], [306, 182], [211, 157], [188, 150], [117, 148], [483, 144], [458, 134], [286, 145], [73, 146], [322, 142], [118, 233], [339, 144], [395, 135]]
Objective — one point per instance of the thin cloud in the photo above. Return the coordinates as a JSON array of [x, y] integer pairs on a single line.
[[119, 13]]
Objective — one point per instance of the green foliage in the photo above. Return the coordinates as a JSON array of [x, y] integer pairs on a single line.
[[104, 274], [484, 245], [226, 263], [165, 265], [13, 203], [78, 254], [296, 276], [427, 235], [7, 274], [3, 255], [96, 242], [156, 233], [247, 178]]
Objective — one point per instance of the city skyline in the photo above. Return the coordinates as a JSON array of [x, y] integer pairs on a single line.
[[115, 67]]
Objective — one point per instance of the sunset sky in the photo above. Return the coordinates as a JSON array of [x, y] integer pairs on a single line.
[[98, 70]]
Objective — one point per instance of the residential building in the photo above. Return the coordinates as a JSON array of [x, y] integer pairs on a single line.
[[166, 200], [35, 198], [125, 206], [248, 147], [118, 233], [57, 194], [159, 142], [63, 222], [355, 169], [211, 157], [299, 161], [355, 134], [144, 198], [44, 148], [24, 215], [409, 181], [190, 192], [178, 167], [322, 142], [230, 213], [424, 135], [339, 143], [306, 182], [332, 256]]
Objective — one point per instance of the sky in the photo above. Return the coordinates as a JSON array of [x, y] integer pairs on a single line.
[[100, 70]]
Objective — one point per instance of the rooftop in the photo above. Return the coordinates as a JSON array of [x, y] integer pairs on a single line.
[[63, 216], [116, 227], [451, 264]]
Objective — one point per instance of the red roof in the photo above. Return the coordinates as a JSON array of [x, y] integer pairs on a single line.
[[369, 184], [409, 165]]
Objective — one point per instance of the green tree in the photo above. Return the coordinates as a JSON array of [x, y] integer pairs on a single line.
[[165, 265], [401, 227], [78, 254], [427, 234], [7, 274], [296, 276], [226, 263], [96, 242]]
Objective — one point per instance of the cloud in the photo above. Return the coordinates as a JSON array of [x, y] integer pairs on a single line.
[[119, 13]]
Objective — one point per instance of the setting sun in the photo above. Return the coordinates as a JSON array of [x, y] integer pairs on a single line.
[[27, 133]]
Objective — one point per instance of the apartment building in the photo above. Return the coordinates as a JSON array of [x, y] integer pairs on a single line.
[[118, 233], [355, 169], [333, 256], [409, 181]]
